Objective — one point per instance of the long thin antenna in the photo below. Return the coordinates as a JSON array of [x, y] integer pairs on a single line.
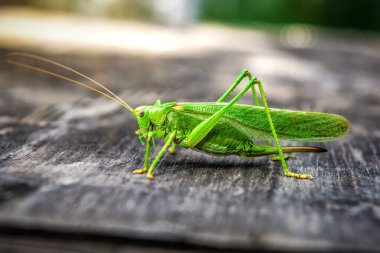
[[67, 68], [70, 80]]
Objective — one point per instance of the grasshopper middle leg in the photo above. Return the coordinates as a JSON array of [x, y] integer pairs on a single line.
[[159, 155]]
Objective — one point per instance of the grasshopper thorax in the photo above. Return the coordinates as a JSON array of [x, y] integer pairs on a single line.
[[152, 115]]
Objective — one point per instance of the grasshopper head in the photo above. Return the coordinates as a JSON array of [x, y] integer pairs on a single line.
[[143, 119], [151, 115]]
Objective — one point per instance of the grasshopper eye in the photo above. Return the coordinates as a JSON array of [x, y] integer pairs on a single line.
[[141, 114]]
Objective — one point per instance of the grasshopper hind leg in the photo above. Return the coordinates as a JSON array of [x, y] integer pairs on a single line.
[[256, 82], [274, 134]]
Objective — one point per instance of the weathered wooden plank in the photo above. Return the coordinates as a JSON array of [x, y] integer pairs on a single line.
[[65, 164]]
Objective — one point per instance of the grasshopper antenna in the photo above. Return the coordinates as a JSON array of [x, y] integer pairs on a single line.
[[112, 95]]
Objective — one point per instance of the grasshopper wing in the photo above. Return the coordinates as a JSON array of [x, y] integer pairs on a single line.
[[252, 122]]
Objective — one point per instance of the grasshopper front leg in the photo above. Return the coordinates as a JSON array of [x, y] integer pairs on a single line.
[[147, 154]]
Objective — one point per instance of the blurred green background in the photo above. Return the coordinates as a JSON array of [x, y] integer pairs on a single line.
[[347, 14], [361, 14]]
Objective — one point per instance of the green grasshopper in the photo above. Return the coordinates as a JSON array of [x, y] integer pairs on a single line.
[[221, 128]]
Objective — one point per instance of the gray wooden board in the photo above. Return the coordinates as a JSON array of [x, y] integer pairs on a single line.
[[66, 155]]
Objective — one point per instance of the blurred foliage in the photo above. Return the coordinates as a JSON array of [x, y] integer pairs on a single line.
[[130, 9], [356, 14]]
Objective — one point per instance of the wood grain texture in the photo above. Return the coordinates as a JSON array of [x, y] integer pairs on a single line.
[[66, 157]]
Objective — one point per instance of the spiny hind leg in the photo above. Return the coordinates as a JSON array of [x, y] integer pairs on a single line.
[[243, 74], [274, 134], [202, 129]]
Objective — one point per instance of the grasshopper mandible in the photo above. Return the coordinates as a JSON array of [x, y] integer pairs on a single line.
[[220, 128]]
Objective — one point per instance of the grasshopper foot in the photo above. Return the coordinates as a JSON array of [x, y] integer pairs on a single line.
[[300, 176], [277, 158], [149, 176], [172, 149], [140, 171]]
